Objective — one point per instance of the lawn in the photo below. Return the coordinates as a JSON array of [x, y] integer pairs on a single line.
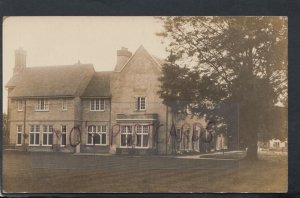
[[52, 172]]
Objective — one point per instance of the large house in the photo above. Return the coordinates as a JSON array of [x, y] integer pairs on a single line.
[[72, 108]]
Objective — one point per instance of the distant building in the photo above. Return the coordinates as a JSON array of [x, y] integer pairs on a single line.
[[277, 144], [72, 108], [273, 144]]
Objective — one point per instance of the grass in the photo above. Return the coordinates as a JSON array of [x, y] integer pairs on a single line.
[[20, 176]]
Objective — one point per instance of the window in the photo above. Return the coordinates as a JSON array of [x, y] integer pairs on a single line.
[[97, 105], [178, 133], [20, 105], [276, 144], [63, 139], [178, 138], [142, 136], [185, 139], [42, 105], [64, 106], [140, 103], [47, 135], [97, 135], [34, 135], [126, 136], [19, 134]]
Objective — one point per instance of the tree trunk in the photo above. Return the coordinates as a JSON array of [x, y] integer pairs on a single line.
[[252, 148]]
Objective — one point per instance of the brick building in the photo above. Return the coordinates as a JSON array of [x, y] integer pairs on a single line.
[[74, 108]]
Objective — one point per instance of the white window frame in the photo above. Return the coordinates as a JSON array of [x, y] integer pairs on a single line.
[[20, 105], [142, 130], [34, 132], [63, 133], [103, 131], [138, 103], [42, 104], [97, 104], [126, 133], [64, 105], [49, 134], [19, 132], [97, 130]]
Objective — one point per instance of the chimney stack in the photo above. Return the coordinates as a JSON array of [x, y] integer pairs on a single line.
[[20, 60], [123, 55]]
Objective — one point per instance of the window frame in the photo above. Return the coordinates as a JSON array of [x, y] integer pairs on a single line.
[[19, 132], [185, 139], [142, 134], [126, 134], [42, 107], [97, 102], [276, 145], [178, 136], [98, 130], [20, 104], [138, 105], [48, 134], [63, 133], [34, 133]]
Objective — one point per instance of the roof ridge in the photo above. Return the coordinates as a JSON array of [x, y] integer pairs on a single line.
[[52, 66]]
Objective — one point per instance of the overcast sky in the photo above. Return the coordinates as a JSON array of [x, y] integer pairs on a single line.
[[65, 40]]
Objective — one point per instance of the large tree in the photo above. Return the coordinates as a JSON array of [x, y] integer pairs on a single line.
[[227, 60]]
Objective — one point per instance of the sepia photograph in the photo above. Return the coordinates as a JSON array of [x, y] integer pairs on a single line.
[[145, 104]]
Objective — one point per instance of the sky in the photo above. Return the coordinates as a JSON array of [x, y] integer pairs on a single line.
[[51, 41]]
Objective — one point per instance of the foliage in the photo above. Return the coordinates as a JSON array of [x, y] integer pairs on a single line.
[[223, 60]]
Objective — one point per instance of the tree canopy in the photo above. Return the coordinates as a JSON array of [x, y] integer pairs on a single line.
[[219, 60]]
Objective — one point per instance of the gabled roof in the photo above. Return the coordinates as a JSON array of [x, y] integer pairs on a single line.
[[141, 49], [99, 85], [51, 81]]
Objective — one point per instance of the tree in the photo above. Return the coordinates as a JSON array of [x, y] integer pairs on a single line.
[[222, 60]]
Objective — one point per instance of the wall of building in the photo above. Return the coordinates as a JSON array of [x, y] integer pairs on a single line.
[[55, 116], [139, 78], [56, 136], [94, 118], [55, 112]]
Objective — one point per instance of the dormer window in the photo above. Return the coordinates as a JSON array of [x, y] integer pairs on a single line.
[[20, 105], [42, 105], [97, 105], [140, 103]]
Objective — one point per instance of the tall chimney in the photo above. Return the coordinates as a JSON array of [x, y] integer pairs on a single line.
[[123, 56], [20, 60]]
